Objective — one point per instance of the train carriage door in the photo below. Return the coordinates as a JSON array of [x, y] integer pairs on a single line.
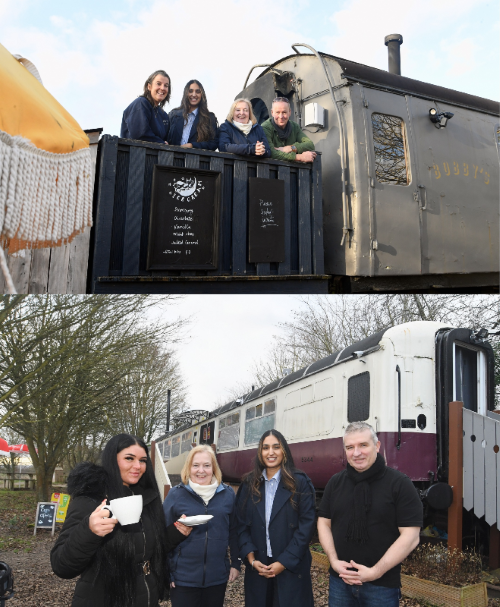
[[396, 214]]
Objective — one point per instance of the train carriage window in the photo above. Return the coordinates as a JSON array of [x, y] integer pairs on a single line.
[[166, 449], [470, 378], [257, 424], [207, 434], [176, 446], [186, 442], [229, 432], [391, 153], [358, 397], [160, 448]]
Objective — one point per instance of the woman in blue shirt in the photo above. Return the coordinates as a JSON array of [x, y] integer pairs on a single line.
[[191, 124], [275, 505], [144, 119], [241, 133]]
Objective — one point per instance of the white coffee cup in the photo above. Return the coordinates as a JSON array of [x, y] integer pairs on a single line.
[[126, 509]]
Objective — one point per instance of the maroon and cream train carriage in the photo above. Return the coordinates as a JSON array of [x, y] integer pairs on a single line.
[[399, 380]]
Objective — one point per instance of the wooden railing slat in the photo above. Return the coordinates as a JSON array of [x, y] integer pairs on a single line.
[[284, 174], [263, 269], [133, 219], [305, 266], [240, 201]]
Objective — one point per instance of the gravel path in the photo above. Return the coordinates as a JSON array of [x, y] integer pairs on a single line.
[[37, 586]]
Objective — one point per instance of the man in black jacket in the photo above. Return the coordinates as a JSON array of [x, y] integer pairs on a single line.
[[368, 522]]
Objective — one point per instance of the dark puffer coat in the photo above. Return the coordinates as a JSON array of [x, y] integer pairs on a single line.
[[144, 122], [75, 550], [232, 140]]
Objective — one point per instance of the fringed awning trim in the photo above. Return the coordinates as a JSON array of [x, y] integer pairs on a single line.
[[45, 198]]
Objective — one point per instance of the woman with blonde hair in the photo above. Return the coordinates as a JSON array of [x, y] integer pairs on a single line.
[[241, 133], [200, 571]]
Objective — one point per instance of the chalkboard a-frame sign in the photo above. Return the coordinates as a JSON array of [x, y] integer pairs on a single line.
[[184, 221], [45, 516], [266, 220]]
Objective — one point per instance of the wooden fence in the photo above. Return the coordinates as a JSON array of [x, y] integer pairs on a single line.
[[481, 446], [122, 217]]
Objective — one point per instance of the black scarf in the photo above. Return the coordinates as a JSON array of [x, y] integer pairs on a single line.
[[285, 133], [357, 531]]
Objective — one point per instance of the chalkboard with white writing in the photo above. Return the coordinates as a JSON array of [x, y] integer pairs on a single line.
[[45, 516], [266, 220], [184, 224]]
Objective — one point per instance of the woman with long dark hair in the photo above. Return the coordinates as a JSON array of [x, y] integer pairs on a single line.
[[120, 566], [276, 516], [145, 119], [192, 125]]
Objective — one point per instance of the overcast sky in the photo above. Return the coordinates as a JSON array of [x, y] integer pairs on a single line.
[[94, 56], [228, 333]]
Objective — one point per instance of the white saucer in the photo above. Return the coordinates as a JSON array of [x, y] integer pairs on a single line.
[[191, 521]]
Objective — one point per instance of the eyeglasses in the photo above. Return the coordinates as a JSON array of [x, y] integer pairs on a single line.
[[281, 100]]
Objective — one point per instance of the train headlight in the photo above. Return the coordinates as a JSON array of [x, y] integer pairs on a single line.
[[440, 119]]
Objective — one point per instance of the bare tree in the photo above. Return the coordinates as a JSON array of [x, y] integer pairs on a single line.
[[61, 372], [326, 324]]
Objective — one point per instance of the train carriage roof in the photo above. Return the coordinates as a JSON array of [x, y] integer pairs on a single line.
[[372, 76], [365, 346]]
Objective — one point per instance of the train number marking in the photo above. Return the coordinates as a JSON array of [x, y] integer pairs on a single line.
[[307, 459], [456, 170]]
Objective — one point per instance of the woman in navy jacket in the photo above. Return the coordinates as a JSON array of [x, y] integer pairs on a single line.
[[200, 571], [241, 133], [144, 119], [191, 124], [276, 515]]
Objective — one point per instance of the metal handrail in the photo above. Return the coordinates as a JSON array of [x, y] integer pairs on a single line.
[[345, 211], [249, 73]]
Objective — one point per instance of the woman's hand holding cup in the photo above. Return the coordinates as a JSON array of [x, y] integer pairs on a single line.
[[100, 521]]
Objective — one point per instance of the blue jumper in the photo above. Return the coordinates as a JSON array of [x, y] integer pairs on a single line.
[[144, 122]]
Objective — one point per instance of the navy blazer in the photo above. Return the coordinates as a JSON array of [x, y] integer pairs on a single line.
[[144, 122], [290, 531], [232, 140], [177, 126]]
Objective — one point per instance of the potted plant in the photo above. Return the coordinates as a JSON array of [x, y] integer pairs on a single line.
[[444, 577]]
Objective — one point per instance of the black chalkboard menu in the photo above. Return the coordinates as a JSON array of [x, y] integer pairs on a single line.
[[45, 516], [183, 229], [266, 220]]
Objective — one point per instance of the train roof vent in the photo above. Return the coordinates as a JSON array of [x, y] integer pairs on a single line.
[[323, 363], [292, 377], [365, 344]]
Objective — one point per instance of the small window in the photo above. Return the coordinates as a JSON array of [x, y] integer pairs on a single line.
[[186, 442], [229, 432], [358, 397], [251, 413], [176, 446], [269, 407], [389, 140], [256, 424], [166, 450], [207, 434]]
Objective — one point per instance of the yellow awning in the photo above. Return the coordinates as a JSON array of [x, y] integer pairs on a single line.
[[28, 109]]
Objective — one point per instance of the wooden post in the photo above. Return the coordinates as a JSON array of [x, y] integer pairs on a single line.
[[153, 453], [455, 475], [166, 489], [494, 547]]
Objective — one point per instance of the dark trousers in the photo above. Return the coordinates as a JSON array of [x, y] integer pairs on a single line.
[[186, 596]]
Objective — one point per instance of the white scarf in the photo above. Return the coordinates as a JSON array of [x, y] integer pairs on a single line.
[[244, 128], [206, 492]]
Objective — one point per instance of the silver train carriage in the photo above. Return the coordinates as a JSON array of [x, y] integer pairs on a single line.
[[399, 380], [410, 171]]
